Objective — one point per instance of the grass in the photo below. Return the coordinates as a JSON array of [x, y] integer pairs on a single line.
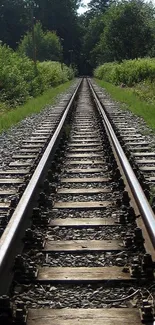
[[10, 117], [136, 105]]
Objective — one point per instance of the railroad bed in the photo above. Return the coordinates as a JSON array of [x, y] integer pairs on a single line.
[[88, 250]]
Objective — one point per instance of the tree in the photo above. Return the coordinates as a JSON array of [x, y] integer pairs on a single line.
[[128, 31], [61, 16], [92, 37], [99, 6], [17, 17], [93, 23], [13, 21], [47, 45]]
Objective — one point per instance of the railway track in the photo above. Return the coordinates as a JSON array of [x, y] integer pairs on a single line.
[[83, 226]]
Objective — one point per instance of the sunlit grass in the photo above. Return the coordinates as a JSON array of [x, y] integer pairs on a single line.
[[133, 102], [9, 117]]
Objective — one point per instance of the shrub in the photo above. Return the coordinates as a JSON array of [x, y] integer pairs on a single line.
[[21, 79], [53, 74], [129, 72], [13, 87]]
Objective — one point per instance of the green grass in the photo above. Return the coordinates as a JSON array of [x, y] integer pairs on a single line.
[[133, 102], [9, 117]]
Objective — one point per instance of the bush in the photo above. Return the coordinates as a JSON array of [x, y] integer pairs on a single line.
[[47, 45], [13, 87], [21, 79], [53, 73], [129, 72]]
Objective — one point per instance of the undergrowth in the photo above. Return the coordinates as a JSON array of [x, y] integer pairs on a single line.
[[21, 79], [128, 72], [131, 82], [9, 117], [137, 105]]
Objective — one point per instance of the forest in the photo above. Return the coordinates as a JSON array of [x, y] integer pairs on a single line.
[[108, 31], [44, 43]]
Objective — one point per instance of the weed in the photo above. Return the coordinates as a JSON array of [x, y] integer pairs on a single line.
[[10, 117], [131, 101]]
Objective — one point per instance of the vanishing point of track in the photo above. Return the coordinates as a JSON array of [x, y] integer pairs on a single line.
[[82, 224]]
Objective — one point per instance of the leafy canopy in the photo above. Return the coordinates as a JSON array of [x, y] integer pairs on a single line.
[[128, 32], [47, 45]]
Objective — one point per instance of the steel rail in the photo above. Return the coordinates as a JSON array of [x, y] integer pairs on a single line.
[[8, 238], [140, 198]]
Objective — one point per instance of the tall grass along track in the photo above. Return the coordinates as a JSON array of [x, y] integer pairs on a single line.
[[10, 117]]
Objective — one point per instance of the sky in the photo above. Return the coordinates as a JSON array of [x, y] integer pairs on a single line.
[[82, 10]]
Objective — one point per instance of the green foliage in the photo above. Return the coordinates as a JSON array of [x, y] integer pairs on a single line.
[[9, 117], [145, 91], [118, 30], [99, 6], [46, 45], [13, 21], [13, 86], [110, 30], [18, 16], [53, 73], [92, 37], [20, 79], [129, 72], [132, 102], [128, 33], [61, 16]]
